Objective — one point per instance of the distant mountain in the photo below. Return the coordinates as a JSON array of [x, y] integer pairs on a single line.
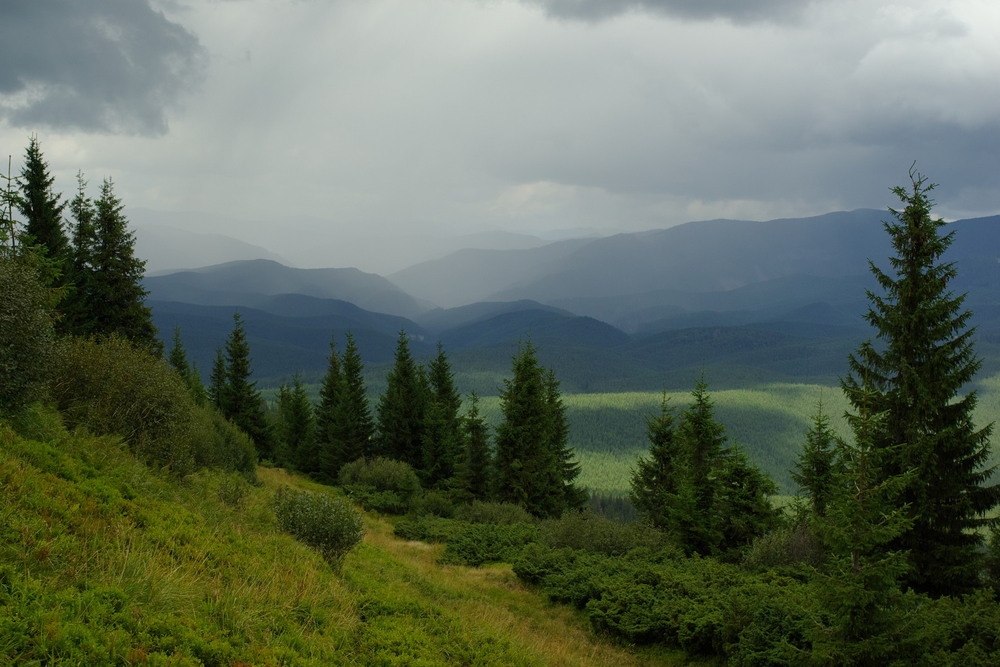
[[541, 326], [167, 248], [246, 283]]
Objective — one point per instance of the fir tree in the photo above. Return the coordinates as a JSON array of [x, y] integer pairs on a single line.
[[242, 403], [473, 473], [566, 469], [42, 209], [78, 307], [916, 378], [402, 407], [116, 297], [178, 360], [217, 393]]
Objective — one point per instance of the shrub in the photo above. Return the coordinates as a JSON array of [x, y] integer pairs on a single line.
[[784, 548], [433, 502], [329, 525], [495, 513], [589, 532], [27, 333], [233, 490], [112, 387], [381, 484], [481, 543], [427, 528]]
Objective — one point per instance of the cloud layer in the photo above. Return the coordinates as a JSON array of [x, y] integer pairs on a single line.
[[99, 65]]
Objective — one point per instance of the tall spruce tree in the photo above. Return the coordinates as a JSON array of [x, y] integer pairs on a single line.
[[217, 383], [401, 409], [532, 457], [42, 210], [567, 470], [116, 297], [441, 437], [77, 307], [357, 429], [242, 403], [916, 377]]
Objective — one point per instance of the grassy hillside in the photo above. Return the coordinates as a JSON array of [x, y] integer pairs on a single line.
[[104, 562]]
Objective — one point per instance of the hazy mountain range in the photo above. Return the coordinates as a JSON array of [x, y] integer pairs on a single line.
[[781, 299]]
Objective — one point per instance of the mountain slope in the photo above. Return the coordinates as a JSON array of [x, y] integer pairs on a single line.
[[243, 282]]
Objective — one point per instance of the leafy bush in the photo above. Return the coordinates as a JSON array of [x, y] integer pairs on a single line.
[[27, 333], [381, 484], [481, 543], [495, 513], [233, 490], [330, 525], [783, 548], [433, 502], [589, 532]]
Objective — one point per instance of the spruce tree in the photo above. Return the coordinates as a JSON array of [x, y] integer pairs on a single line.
[[533, 464], [402, 407], [566, 469], [116, 297], [473, 474], [816, 465], [296, 424], [42, 209], [916, 377], [217, 383], [357, 428], [323, 461], [654, 486], [177, 358], [78, 307], [242, 402], [441, 436]]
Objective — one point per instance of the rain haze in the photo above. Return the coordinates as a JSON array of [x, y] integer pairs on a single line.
[[368, 133]]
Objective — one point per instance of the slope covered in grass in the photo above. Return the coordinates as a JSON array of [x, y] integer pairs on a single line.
[[105, 562]]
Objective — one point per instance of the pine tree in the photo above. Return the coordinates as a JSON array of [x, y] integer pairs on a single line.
[[654, 486], [743, 504], [532, 458], [402, 407], [177, 358], [566, 469], [242, 402], [441, 436], [916, 377], [816, 466], [42, 209], [116, 298], [473, 473]]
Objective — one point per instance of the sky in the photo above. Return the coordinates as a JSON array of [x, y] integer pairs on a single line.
[[346, 132]]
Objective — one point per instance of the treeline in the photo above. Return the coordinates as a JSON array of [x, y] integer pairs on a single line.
[[76, 332], [417, 423]]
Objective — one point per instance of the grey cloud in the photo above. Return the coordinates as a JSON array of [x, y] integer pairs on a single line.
[[97, 66], [741, 11]]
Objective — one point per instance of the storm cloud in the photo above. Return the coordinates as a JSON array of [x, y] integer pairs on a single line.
[[734, 10], [109, 66]]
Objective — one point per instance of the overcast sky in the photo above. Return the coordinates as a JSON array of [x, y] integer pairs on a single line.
[[328, 118]]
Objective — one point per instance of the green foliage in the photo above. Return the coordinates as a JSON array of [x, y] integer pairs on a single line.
[[441, 438], [296, 426], [381, 484], [584, 531], [428, 528], [481, 543], [533, 465], [344, 424], [816, 466], [330, 525], [492, 512], [402, 408], [654, 485], [42, 210], [474, 470], [238, 397], [26, 329], [917, 377], [112, 387]]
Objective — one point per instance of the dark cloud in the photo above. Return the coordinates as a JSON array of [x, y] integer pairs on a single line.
[[741, 11], [98, 66]]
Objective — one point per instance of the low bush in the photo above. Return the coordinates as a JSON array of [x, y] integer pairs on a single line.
[[496, 513], [329, 525], [433, 502], [428, 528], [26, 329], [481, 543], [380, 484], [590, 532]]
